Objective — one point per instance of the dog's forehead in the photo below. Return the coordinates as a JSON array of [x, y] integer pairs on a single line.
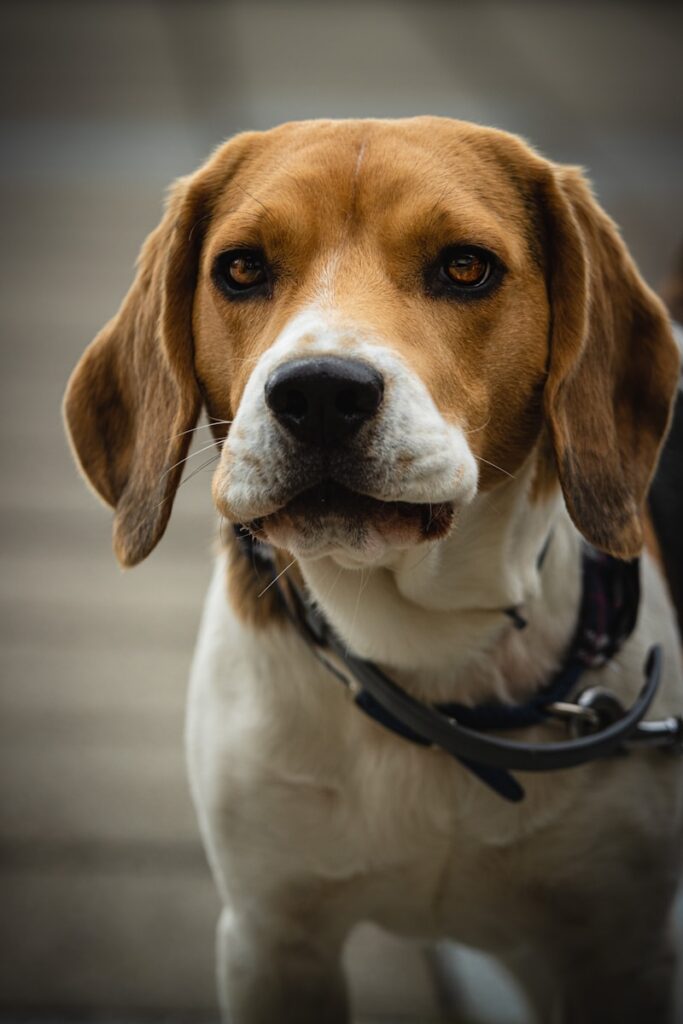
[[345, 172]]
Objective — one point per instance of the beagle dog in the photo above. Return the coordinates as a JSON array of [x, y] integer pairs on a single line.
[[434, 379]]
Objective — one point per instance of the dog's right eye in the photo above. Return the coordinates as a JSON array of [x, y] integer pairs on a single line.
[[241, 273]]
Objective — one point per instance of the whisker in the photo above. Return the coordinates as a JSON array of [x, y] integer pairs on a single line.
[[273, 581], [334, 583], [499, 468], [364, 580], [196, 224], [430, 516], [187, 457], [202, 426], [262, 205], [367, 580], [143, 524], [474, 430], [421, 560], [198, 470]]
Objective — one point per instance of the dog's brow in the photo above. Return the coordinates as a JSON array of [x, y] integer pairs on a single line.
[[445, 225], [255, 199]]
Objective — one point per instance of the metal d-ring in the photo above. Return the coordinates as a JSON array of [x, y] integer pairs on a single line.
[[604, 706], [580, 720]]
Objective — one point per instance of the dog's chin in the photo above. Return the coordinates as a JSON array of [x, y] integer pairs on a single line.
[[353, 528]]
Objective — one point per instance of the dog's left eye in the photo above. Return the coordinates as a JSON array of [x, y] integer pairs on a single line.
[[464, 271], [241, 270], [466, 268]]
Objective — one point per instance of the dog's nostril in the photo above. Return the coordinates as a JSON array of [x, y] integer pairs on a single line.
[[324, 401]]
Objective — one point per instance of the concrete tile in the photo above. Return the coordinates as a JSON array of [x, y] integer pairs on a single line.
[[137, 935], [91, 790], [101, 941]]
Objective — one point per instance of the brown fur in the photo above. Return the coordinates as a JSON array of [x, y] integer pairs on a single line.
[[613, 370], [251, 594], [573, 339]]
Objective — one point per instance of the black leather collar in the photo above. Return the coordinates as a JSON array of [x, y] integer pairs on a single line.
[[607, 617]]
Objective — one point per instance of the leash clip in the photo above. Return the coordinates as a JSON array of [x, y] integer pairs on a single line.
[[595, 708]]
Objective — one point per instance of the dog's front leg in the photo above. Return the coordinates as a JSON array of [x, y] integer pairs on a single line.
[[273, 969]]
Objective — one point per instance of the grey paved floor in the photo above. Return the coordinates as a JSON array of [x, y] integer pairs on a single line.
[[107, 903]]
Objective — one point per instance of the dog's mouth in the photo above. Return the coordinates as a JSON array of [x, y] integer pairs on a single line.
[[329, 507]]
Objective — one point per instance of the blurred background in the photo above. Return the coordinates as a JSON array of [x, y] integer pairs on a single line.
[[107, 908]]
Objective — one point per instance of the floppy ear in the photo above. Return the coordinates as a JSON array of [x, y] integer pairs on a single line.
[[613, 368], [132, 401]]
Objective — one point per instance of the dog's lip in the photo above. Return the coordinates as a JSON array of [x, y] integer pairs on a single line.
[[328, 499]]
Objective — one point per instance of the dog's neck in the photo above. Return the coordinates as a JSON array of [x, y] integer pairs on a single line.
[[436, 618]]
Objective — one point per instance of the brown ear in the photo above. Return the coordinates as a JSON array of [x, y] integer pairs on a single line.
[[613, 368], [132, 401]]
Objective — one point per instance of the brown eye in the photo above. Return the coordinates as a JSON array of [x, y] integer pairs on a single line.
[[467, 269], [246, 271], [464, 272], [243, 274]]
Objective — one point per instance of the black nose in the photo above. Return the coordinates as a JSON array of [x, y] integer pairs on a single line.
[[324, 401]]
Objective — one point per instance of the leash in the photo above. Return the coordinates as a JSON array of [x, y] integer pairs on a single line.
[[599, 724]]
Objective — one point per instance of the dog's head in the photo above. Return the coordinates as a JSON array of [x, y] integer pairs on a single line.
[[381, 318]]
